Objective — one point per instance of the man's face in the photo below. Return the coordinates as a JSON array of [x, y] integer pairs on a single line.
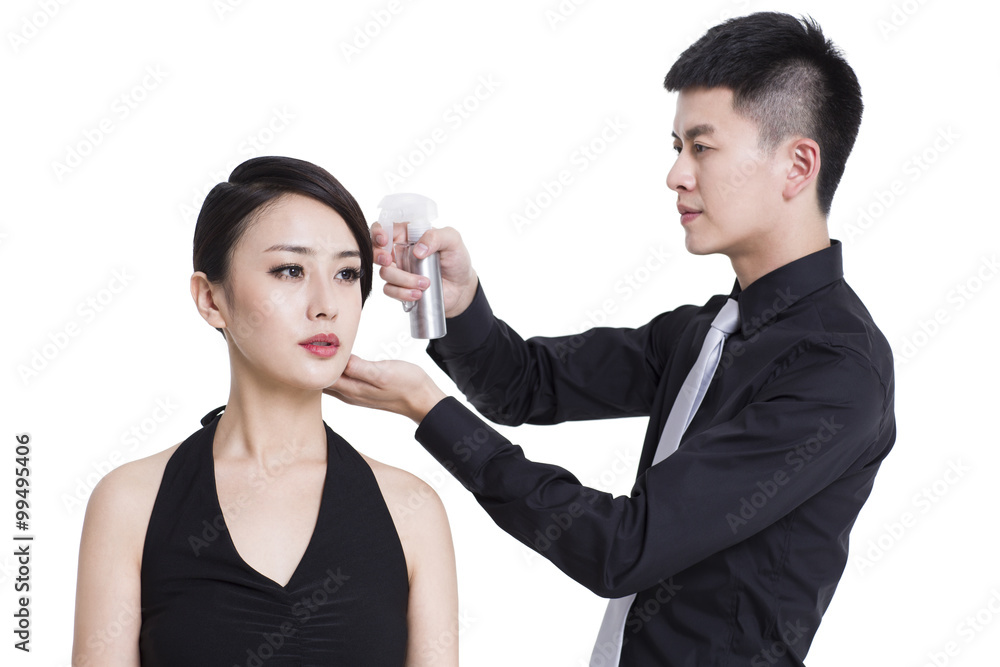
[[728, 191]]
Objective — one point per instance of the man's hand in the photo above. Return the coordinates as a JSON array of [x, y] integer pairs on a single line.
[[393, 386], [458, 278]]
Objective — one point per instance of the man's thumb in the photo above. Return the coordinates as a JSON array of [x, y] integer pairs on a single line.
[[363, 370]]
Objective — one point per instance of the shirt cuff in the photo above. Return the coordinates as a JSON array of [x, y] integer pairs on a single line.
[[458, 439], [467, 331]]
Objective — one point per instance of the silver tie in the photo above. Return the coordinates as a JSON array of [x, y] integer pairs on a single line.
[[608, 648]]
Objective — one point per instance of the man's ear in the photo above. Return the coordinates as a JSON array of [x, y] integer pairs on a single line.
[[205, 295], [803, 166]]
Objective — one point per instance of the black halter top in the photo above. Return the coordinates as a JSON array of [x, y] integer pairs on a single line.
[[202, 605]]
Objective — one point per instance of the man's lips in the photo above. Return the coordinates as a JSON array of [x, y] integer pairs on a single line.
[[687, 213]]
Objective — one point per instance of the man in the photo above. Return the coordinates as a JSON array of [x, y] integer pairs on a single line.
[[733, 540]]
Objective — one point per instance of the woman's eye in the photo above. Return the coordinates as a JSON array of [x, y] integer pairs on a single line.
[[698, 148], [677, 149], [349, 275], [294, 270]]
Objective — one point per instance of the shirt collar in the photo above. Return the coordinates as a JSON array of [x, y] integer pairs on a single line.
[[765, 298]]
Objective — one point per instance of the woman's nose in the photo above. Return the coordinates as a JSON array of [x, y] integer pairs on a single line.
[[322, 299]]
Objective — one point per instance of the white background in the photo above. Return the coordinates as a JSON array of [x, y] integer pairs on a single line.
[[281, 75]]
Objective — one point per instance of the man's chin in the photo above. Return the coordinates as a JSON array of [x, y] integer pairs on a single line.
[[697, 246]]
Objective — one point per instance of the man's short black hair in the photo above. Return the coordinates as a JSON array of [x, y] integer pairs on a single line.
[[786, 77]]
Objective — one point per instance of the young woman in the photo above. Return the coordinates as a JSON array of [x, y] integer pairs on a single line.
[[264, 538]]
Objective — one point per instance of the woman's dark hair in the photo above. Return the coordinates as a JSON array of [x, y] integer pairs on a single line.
[[785, 76], [231, 207]]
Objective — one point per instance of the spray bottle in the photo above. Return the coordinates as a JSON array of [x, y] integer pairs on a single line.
[[415, 213]]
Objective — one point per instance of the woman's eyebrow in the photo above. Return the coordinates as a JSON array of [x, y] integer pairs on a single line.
[[306, 250]]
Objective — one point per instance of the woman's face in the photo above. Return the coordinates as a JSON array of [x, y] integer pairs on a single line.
[[294, 275]]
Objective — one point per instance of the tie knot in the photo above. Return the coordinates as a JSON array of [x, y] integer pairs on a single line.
[[728, 318]]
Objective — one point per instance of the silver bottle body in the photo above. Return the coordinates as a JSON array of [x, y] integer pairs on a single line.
[[427, 314]]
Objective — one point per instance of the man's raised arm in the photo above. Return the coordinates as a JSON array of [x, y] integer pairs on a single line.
[[597, 374]]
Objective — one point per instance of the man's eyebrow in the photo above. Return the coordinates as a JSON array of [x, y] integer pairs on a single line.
[[693, 133], [305, 250]]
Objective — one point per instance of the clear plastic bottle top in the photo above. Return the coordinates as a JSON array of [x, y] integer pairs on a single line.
[[417, 211]]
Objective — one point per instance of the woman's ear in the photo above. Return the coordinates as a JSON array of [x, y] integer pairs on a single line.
[[804, 164], [205, 295]]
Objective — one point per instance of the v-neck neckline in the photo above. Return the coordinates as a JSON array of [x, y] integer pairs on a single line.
[[323, 503]]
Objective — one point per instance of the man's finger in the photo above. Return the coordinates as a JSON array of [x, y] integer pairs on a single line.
[[393, 275], [439, 239], [362, 371], [381, 248], [379, 237], [401, 294], [398, 233]]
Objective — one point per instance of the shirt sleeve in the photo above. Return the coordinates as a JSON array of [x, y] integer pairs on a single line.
[[597, 374], [804, 429]]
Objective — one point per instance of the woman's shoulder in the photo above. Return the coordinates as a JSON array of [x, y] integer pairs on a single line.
[[401, 489], [416, 509], [135, 478], [122, 501]]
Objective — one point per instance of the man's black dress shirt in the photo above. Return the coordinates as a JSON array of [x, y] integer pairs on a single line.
[[734, 543]]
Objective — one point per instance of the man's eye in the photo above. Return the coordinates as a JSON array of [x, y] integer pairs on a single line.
[[698, 148]]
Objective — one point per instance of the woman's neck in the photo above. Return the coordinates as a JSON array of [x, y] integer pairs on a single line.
[[271, 425]]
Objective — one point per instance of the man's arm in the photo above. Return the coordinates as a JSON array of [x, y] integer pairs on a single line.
[[824, 417], [597, 374]]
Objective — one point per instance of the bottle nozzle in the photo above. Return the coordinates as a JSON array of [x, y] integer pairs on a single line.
[[416, 210]]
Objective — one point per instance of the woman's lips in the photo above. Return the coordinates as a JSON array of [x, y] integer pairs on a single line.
[[321, 350], [317, 347]]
